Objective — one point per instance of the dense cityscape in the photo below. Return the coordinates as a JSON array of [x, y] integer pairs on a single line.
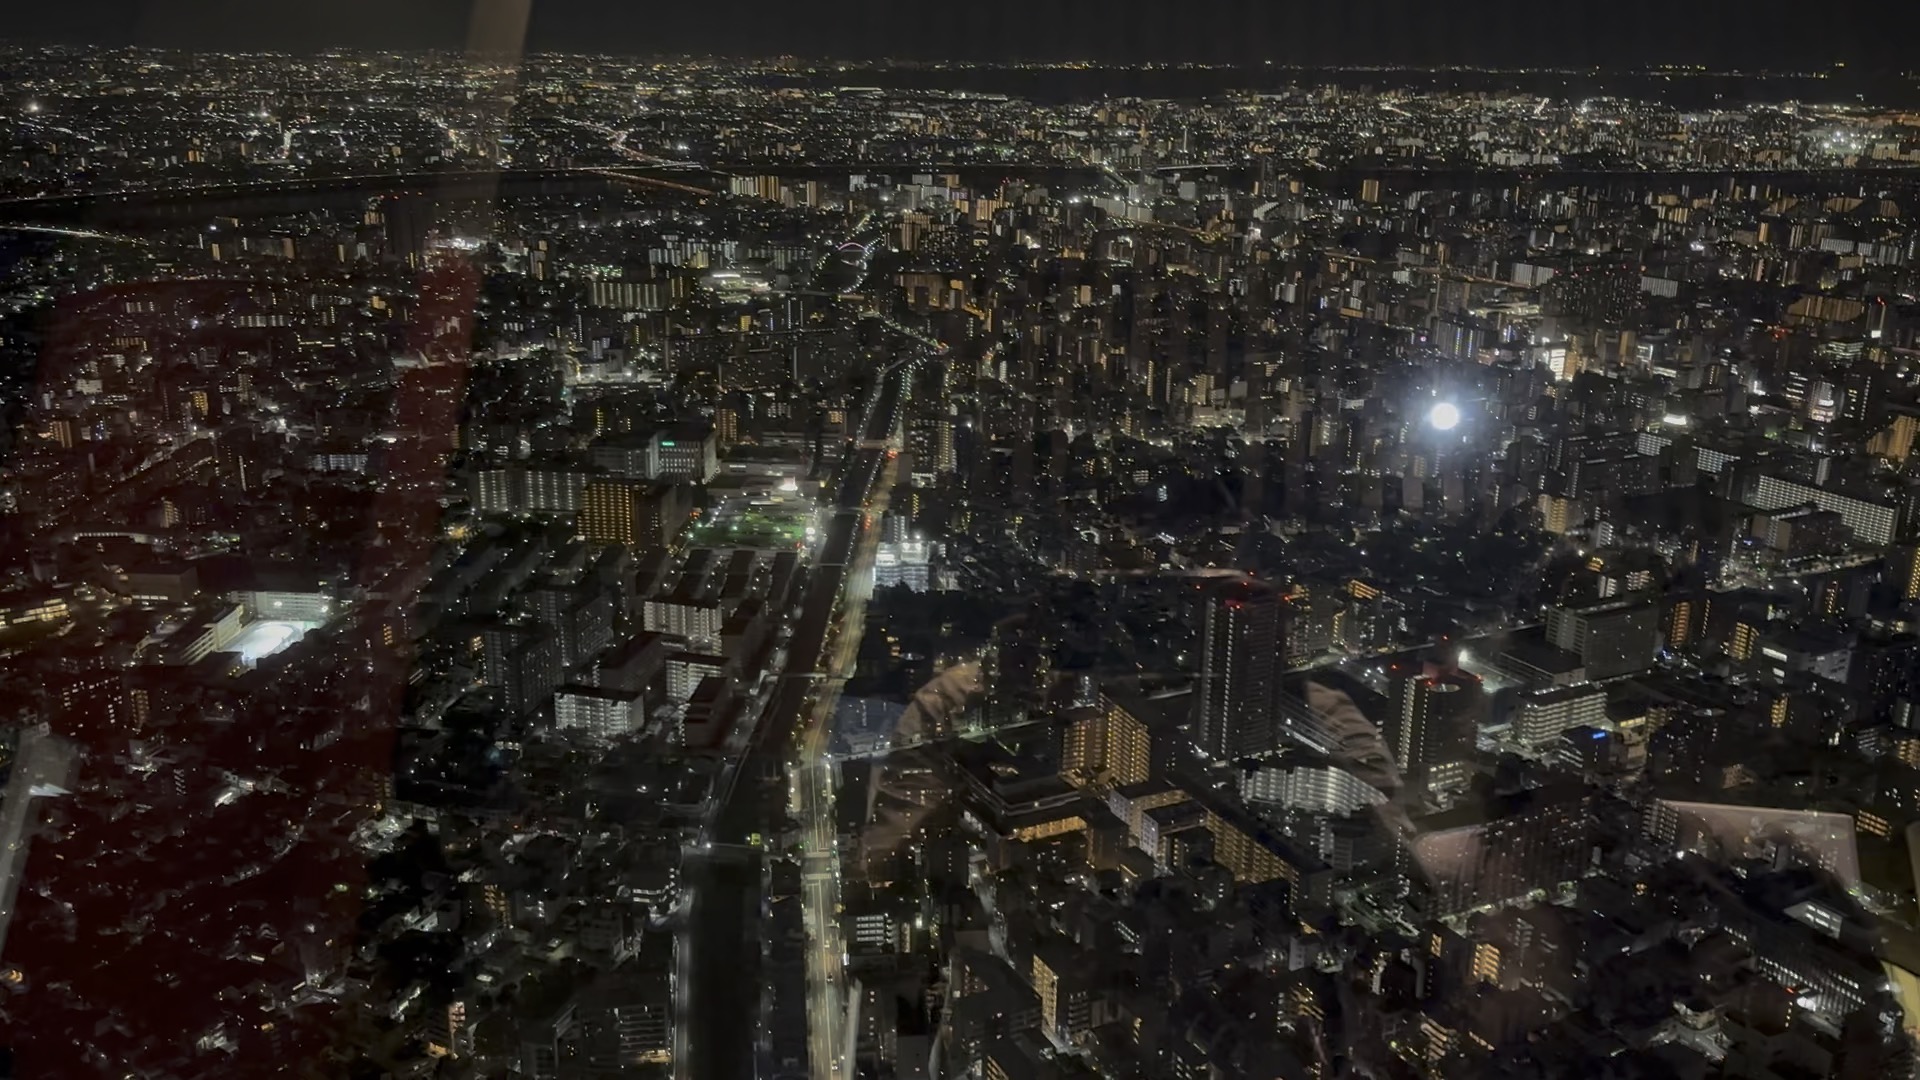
[[588, 567]]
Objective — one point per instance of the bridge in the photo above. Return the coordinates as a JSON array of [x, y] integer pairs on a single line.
[[639, 180], [144, 208], [73, 234]]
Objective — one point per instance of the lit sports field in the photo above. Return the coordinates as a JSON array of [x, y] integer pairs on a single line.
[[773, 523], [266, 637]]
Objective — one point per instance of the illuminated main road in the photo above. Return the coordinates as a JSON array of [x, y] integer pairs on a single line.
[[813, 804], [814, 779], [719, 978], [785, 777]]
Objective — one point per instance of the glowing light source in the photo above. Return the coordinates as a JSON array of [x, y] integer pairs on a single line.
[[1444, 416], [264, 638]]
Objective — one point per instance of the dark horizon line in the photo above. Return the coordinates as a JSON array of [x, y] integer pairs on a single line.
[[1665, 68]]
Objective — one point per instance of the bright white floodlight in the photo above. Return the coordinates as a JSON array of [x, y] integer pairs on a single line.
[[1444, 416]]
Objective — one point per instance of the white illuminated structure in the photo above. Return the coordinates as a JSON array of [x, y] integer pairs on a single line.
[[1444, 417], [903, 562]]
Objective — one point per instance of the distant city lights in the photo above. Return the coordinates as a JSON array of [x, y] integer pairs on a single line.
[[428, 508]]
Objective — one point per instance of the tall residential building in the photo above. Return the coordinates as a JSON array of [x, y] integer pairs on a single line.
[[1108, 742], [627, 455], [521, 662], [930, 439], [1323, 789], [1903, 563], [602, 715], [633, 513], [1539, 716], [613, 512], [580, 617], [1253, 853], [1559, 513], [1065, 991], [1680, 623], [1498, 852], [697, 620], [1432, 723], [726, 422], [516, 489], [1241, 646], [1610, 639], [1873, 519]]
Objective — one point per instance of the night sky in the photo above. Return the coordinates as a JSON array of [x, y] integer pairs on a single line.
[[1495, 32]]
